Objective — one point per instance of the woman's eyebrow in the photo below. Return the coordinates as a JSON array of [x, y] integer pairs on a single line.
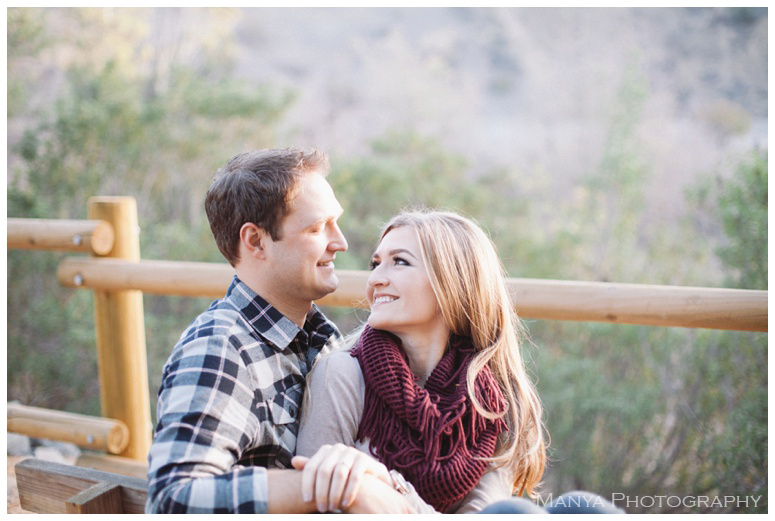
[[401, 250], [395, 252]]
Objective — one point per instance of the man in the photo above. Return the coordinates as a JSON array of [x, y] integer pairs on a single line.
[[229, 402]]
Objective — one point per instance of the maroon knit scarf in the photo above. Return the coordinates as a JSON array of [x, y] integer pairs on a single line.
[[433, 436]]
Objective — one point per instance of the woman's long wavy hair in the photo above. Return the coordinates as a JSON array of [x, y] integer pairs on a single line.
[[468, 279]]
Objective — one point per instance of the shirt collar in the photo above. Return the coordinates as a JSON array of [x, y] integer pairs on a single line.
[[270, 323]]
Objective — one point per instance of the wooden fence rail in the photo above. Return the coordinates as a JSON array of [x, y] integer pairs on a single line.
[[85, 431], [93, 236], [653, 305]]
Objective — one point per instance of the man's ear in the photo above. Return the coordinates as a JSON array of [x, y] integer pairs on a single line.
[[252, 240]]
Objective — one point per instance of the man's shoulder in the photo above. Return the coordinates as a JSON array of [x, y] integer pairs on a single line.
[[216, 320], [217, 329], [220, 317]]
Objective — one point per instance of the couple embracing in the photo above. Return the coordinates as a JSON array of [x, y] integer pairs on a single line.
[[265, 407]]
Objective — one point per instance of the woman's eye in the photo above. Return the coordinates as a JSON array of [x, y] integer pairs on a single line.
[[373, 265], [401, 261]]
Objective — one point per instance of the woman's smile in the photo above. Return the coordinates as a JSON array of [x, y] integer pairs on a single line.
[[384, 299]]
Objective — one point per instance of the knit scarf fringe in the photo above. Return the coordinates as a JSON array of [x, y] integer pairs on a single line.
[[433, 436]]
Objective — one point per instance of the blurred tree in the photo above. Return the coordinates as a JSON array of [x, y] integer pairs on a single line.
[[402, 171], [405, 170], [25, 41], [733, 452], [743, 207], [649, 411], [117, 129]]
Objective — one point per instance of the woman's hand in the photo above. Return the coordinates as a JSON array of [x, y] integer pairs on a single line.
[[333, 475], [377, 497]]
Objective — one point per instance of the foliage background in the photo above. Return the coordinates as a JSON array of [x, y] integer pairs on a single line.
[[571, 181]]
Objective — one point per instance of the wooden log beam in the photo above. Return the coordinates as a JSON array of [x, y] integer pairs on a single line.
[[89, 236], [115, 464], [47, 488], [187, 279], [85, 431], [102, 498], [643, 304]]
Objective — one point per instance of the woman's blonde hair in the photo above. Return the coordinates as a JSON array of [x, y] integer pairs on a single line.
[[468, 279]]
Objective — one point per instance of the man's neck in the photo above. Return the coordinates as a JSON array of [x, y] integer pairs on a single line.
[[295, 311]]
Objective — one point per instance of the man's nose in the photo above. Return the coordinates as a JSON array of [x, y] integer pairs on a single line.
[[338, 241]]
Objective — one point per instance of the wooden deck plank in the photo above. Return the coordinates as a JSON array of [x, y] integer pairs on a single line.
[[46, 487]]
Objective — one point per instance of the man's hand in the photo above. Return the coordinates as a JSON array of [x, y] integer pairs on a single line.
[[334, 475]]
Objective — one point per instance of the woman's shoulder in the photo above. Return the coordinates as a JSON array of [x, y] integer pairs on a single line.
[[340, 365], [334, 396]]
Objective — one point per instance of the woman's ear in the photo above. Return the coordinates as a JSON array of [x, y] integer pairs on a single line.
[[252, 239]]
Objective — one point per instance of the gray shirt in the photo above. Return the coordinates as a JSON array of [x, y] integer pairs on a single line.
[[332, 411]]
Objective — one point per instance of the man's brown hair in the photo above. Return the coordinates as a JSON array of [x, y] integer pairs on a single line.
[[256, 187]]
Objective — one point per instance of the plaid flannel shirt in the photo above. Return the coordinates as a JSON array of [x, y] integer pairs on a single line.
[[229, 405]]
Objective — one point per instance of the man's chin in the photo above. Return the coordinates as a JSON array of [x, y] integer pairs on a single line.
[[326, 288]]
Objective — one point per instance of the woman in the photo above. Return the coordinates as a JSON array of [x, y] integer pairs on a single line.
[[435, 386]]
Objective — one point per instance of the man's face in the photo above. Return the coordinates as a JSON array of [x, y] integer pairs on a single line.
[[301, 262]]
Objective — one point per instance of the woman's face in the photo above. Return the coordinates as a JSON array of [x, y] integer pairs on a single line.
[[398, 289]]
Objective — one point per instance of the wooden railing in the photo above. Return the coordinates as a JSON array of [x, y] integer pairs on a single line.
[[111, 232], [712, 308], [64, 235], [119, 277], [101, 434]]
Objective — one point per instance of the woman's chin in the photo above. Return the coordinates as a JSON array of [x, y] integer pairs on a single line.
[[378, 323]]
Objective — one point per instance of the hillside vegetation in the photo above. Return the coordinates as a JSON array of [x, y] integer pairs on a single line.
[[593, 144]]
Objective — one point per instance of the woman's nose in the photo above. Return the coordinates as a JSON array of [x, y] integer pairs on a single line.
[[376, 278]]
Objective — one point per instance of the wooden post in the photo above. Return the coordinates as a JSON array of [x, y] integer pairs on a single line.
[[120, 331]]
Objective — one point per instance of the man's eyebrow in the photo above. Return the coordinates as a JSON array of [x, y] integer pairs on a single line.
[[327, 218]]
